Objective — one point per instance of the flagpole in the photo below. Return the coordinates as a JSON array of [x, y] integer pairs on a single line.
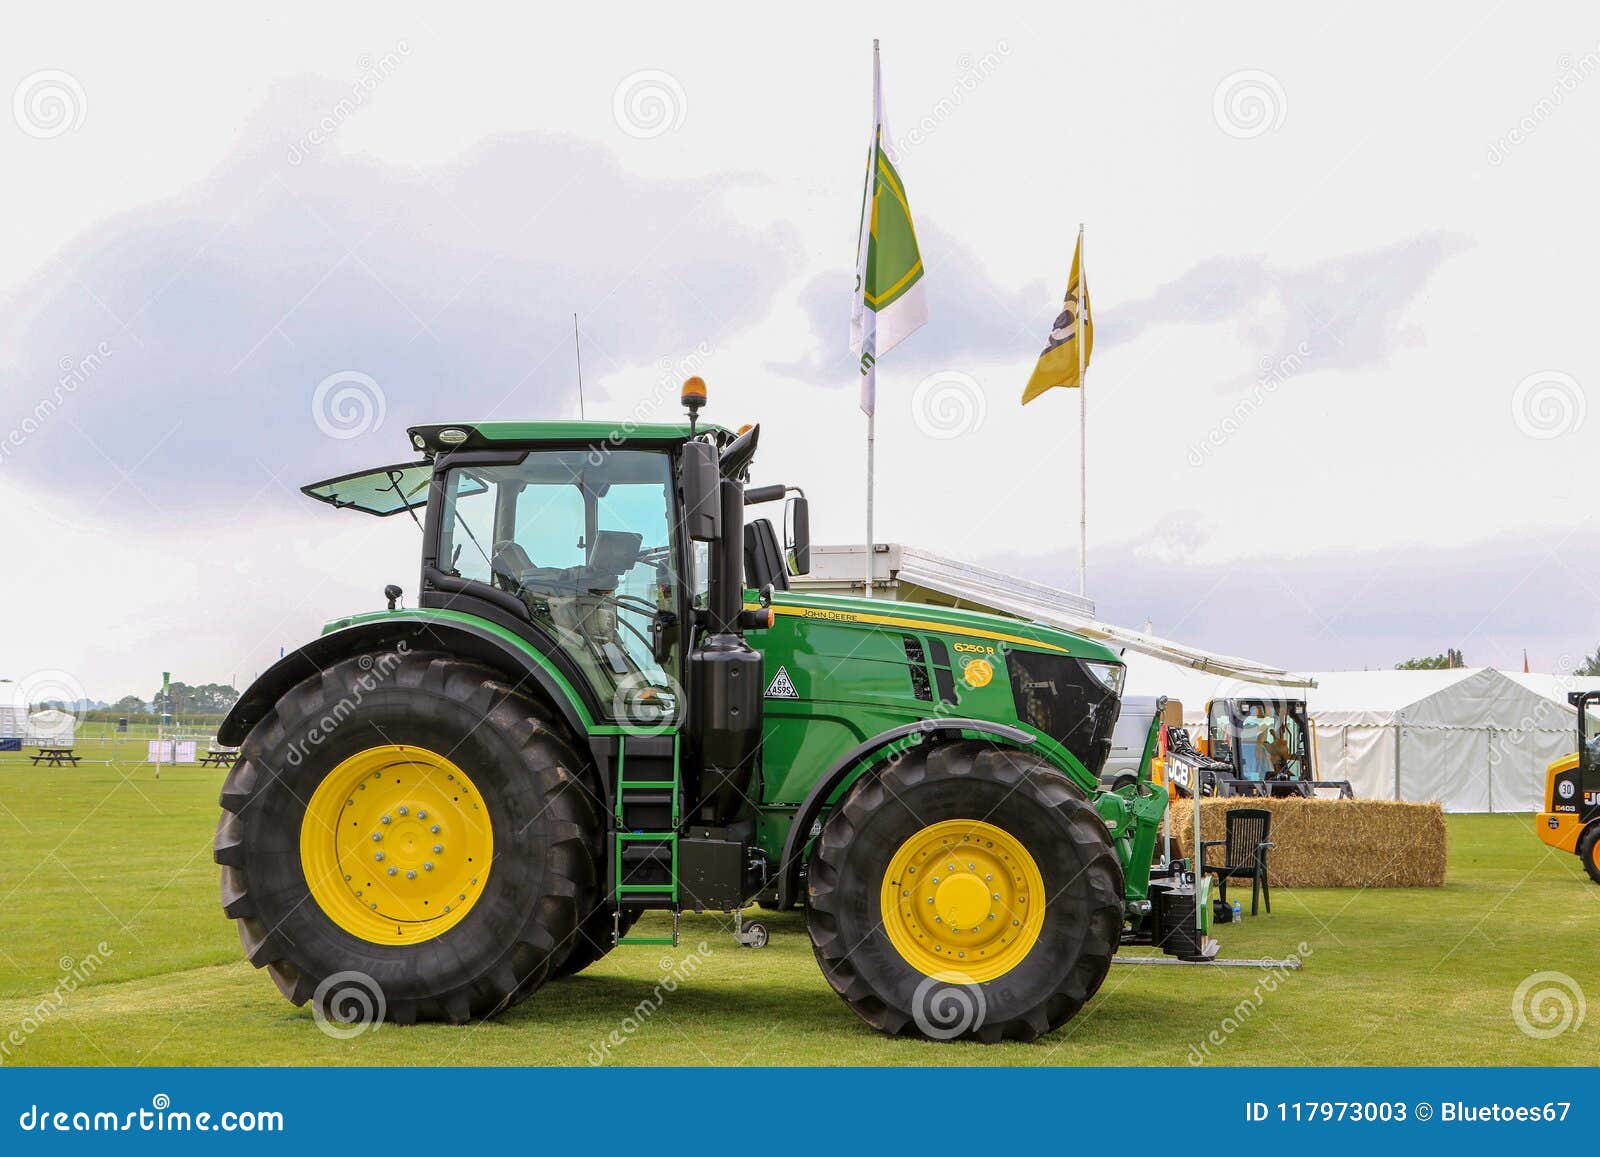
[[871, 349], [872, 437], [1083, 425]]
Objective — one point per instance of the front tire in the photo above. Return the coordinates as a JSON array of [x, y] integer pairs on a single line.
[[920, 887], [407, 825], [1589, 850]]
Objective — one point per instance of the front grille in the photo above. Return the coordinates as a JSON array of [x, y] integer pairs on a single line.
[[1055, 694]]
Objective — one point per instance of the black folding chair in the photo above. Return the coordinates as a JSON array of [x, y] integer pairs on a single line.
[[1244, 854]]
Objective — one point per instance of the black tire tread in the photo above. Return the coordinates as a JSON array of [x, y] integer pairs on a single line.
[[1589, 850], [1023, 773], [548, 755]]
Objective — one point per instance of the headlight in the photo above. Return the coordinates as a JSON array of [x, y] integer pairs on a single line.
[[1109, 674]]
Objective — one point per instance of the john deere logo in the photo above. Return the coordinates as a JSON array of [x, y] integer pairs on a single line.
[[978, 673]]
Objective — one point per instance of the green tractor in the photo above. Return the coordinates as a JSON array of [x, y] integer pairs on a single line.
[[607, 702]]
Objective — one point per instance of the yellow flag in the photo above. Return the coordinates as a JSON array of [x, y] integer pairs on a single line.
[[1063, 361]]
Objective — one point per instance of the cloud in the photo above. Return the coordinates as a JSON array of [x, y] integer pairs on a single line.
[[1346, 312], [1353, 610], [971, 319], [187, 340]]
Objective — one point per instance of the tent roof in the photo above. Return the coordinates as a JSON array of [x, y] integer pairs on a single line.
[[1469, 696], [1376, 696], [1555, 686]]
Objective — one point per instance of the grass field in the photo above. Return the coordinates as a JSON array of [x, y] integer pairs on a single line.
[[107, 855]]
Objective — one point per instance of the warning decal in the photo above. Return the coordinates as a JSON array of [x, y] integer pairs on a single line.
[[782, 687]]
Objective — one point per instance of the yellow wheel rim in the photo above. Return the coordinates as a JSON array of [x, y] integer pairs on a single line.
[[396, 845], [963, 896]]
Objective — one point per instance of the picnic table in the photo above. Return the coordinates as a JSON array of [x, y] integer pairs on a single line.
[[54, 756], [219, 757]]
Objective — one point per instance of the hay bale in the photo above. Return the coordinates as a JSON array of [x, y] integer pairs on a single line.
[[1347, 843]]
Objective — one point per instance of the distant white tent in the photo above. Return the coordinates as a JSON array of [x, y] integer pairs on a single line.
[[1475, 739], [13, 721], [52, 728]]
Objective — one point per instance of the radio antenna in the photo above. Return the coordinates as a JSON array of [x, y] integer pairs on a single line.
[[578, 350]]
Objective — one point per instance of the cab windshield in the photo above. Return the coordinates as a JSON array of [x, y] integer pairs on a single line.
[[584, 541]]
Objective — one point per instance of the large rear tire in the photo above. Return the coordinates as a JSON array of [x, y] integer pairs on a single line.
[[1589, 850], [406, 834], [968, 891]]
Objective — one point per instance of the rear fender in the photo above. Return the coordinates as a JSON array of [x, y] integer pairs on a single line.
[[521, 666]]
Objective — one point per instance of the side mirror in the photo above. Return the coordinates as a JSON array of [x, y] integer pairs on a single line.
[[702, 491], [798, 523]]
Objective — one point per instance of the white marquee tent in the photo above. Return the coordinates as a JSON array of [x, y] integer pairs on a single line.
[[52, 728], [1476, 739]]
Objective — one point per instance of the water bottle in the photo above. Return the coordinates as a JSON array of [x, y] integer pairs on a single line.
[[1238, 912]]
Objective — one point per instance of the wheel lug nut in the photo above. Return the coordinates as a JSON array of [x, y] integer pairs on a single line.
[[438, 849], [385, 820], [990, 876], [394, 871], [376, 836], [434, 829], [997, 895], [374, 907], [378, 856], [411, 875], [405, 811], [428, 867], [421, 815]]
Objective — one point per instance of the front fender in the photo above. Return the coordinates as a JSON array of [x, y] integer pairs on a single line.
[[817, 798], [455, 635]]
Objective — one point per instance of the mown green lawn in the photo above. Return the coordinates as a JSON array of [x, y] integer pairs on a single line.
[[105, 854]]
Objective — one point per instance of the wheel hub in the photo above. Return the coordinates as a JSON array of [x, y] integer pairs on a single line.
[[964, 896], [396, 844]]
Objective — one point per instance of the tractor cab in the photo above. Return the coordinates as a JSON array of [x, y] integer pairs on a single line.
[[1570, 820]]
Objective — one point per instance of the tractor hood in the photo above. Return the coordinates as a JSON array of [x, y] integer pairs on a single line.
[[870, 613]]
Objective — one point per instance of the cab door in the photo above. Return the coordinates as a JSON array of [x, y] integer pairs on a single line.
[[1588, 756]]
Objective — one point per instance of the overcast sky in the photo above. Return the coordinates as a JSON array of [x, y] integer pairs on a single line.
[[1338, 412]]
